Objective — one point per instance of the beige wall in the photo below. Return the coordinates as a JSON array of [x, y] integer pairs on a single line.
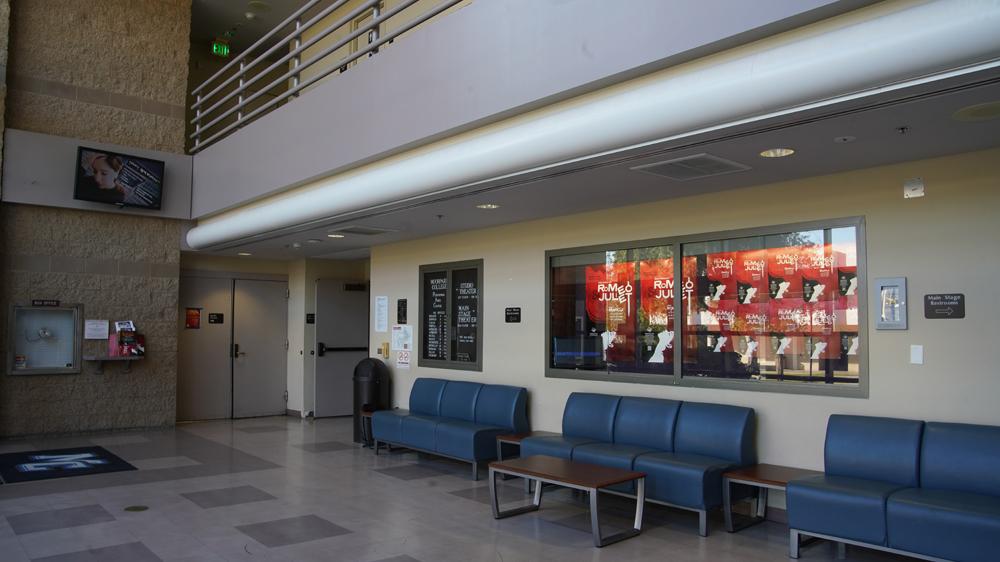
[[89, 70], [944, 242], [397, 21]]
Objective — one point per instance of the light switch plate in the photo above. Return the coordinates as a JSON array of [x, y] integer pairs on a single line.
[[917, 354]]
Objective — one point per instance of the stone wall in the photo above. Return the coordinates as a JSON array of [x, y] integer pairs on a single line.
[[107, 71]]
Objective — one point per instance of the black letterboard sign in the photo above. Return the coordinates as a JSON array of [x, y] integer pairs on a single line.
[[465, 314], [435, 321], [945, 305], [513, 314]]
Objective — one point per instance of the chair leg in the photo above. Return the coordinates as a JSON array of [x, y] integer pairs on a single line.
[[703, 523], [793, 543], [376, 446], [475, 471], [841, 551]]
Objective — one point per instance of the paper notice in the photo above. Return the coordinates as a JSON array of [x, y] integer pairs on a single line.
[[381, 314], [402, 337], [96, 329]]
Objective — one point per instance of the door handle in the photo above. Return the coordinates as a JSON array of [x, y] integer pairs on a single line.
[[320, 349], [236, 350]]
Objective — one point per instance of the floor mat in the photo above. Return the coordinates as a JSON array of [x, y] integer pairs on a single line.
[[27, 466]]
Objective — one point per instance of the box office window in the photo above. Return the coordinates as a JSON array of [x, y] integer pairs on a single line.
[[777, 308], [450, 315]]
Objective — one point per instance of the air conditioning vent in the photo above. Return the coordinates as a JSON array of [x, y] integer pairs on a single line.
[[693, 167], [355, 287], [361, 230]]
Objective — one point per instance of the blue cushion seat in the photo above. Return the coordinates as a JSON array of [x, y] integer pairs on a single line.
[[388, 424], [609, 454], [683, 479], [419, 431], [852, 508], [552, 445], [454, 418], [467, 440], [948, 524]]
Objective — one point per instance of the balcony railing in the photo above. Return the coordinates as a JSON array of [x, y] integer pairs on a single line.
[[235, 95]]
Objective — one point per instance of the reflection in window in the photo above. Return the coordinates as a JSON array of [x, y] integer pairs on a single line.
[[777, 307]]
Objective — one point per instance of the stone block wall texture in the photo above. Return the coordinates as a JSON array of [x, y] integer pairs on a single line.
[[107, 71]]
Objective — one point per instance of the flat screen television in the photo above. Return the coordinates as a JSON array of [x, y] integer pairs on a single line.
[[118, 179]]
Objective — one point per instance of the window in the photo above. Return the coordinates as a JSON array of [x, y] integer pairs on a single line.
[[776, 308], [450, 315]]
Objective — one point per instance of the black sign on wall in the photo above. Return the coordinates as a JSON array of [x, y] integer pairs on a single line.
[[435, 321], [401, 311], [944, 305], [216, 318], [513, 314], [310, 318], [465, 314]]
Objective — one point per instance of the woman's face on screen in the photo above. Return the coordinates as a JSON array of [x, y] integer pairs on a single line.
[[104, 174]]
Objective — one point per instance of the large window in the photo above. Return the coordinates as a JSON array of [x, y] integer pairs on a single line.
[[450, 315], [775, 308]]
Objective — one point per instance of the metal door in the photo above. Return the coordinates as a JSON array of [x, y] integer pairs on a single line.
[[260, 362], [341, 342], [204, 382]]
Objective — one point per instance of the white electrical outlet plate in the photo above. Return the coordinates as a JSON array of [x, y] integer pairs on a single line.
[[917, 354]]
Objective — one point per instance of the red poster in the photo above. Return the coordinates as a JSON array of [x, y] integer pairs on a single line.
[[657, 280], [784, 279], [788, 316], [751, 276], [721, 274], [846, 299], [611, 300], [752, 319], [192, 319], [819, 273], [824, 347]]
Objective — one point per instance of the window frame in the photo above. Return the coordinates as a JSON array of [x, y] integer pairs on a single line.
[[449, 268], [676, 244]]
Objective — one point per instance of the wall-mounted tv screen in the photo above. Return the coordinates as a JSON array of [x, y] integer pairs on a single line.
[[118, 179]]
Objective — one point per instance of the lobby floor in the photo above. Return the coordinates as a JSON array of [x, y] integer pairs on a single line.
[[288, 489]]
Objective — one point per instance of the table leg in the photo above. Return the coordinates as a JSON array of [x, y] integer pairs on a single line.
[[727, 505], [595, 522], [495, 500]]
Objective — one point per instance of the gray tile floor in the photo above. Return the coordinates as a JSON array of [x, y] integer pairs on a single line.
[[292, 489]]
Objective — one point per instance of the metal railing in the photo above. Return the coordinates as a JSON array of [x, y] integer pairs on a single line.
[[216, 114]]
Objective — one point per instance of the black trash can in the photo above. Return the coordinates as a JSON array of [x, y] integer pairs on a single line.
[[371, 392]]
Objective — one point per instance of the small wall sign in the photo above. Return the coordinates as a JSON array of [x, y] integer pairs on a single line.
[[310, 318], [401, 311], [513, 314], [44, 302], [944, 305], [216, 318]]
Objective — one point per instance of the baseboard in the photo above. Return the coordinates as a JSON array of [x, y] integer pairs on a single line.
[[293, 414]]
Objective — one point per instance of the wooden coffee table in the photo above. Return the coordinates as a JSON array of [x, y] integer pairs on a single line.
[[764, 477], [577, 475]]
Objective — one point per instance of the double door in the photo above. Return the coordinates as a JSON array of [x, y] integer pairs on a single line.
[[232, 361]]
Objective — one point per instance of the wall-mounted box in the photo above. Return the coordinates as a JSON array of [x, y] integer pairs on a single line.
[[45, 340]]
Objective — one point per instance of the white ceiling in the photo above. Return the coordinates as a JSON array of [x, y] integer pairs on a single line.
[[609, 181]]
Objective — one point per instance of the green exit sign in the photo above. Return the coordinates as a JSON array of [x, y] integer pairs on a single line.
[[220, 49]]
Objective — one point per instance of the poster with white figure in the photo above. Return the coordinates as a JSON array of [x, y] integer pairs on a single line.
[[665, 341]]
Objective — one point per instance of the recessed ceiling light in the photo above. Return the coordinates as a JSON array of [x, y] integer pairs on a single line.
[[314, 241], [244, 254], [334, 235], [777, 152], [979, 112], [488, 206]]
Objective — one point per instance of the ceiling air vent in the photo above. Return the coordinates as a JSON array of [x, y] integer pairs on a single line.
[[693, 167], [361, 230]]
